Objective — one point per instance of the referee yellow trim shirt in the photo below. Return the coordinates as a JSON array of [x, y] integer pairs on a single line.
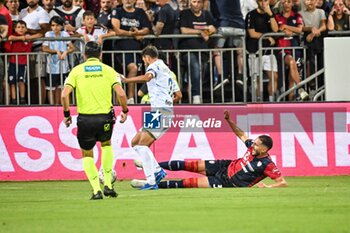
[[93, 82]]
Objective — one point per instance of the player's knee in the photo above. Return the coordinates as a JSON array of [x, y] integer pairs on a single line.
[[135, 141]]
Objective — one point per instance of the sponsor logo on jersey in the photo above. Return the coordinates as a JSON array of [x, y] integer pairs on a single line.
[[92, 68]]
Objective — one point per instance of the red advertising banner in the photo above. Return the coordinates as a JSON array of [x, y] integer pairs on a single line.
[[310, 139]]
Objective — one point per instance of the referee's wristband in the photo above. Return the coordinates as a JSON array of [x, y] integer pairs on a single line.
[[125, 111], [66, 113]]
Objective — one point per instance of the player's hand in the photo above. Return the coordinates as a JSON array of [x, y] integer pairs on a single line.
[[123, 117], [124, 80], [227, 115], [262, 185], [67, 121]]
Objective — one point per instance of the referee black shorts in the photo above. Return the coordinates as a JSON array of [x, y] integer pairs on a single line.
[[94, 127], [216, 171]]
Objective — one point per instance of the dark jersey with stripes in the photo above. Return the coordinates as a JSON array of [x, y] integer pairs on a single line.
[[249, 170]]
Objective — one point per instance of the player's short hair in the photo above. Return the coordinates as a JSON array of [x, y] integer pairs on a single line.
[[92, 49], [151, 51], [266, 141]]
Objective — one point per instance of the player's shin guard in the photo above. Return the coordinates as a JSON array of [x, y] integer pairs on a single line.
[[170, 184], [175, 165], [107, 164], [146, 157], [91, 173], [190, 183]]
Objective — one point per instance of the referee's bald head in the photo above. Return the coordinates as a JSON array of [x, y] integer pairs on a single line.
[[92, 49]]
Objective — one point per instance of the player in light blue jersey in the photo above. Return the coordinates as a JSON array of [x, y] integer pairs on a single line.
[[159, 83]]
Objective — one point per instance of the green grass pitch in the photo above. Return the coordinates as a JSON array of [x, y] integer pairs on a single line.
[[309, 204]]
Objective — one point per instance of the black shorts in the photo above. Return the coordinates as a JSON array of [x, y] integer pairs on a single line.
[[216, 171], [54, 81], [94, 127], [17, 73]]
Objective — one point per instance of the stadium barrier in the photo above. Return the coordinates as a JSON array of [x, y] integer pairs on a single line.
[[310, 139], [230, 93]]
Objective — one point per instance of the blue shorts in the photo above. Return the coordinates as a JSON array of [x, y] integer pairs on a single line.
[[54, 81], [17, 73], [216, 171]]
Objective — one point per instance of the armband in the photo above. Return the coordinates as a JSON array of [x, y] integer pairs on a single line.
[[125, 111], [66, 114], [272, 16]]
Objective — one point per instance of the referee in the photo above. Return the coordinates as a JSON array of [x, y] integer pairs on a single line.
[[93, 82]]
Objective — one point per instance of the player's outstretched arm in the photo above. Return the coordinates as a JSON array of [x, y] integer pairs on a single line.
[[138, 79], [239, 133], [122, 101], [279, 182]]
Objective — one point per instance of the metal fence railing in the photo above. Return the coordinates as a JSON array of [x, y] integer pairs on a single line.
[[204, 77]]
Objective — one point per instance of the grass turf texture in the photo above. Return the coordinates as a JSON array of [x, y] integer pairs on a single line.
[[309, 204]]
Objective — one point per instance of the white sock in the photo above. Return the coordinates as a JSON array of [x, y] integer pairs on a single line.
[[147, 158], [155, 164]]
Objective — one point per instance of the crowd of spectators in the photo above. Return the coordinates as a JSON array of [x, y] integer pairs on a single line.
[[304, 22]]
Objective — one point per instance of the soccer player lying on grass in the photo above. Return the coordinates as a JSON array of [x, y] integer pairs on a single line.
[[247, 171]]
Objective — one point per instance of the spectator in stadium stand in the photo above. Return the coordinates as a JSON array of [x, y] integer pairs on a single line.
[[290, 22], [72, 15], [255, 165], [96, 115], [146, 7], [324, 5], [314, 28], [258, 22], [37, 20], [131, 22], [230, 22], [93, 5], [275, 6], [20, 43], [4, 31], [79, 3], [92, 32], [57, 66], [5, 12], [297, 5], [338, 19], [183, 4], [105, 18], [164, 24], [48, 5], [247, 6], [195, 21], [347, 4], [116, 3], [13, 7]]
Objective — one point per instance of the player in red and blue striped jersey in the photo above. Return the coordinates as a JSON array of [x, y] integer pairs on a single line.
[[247, 171]]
